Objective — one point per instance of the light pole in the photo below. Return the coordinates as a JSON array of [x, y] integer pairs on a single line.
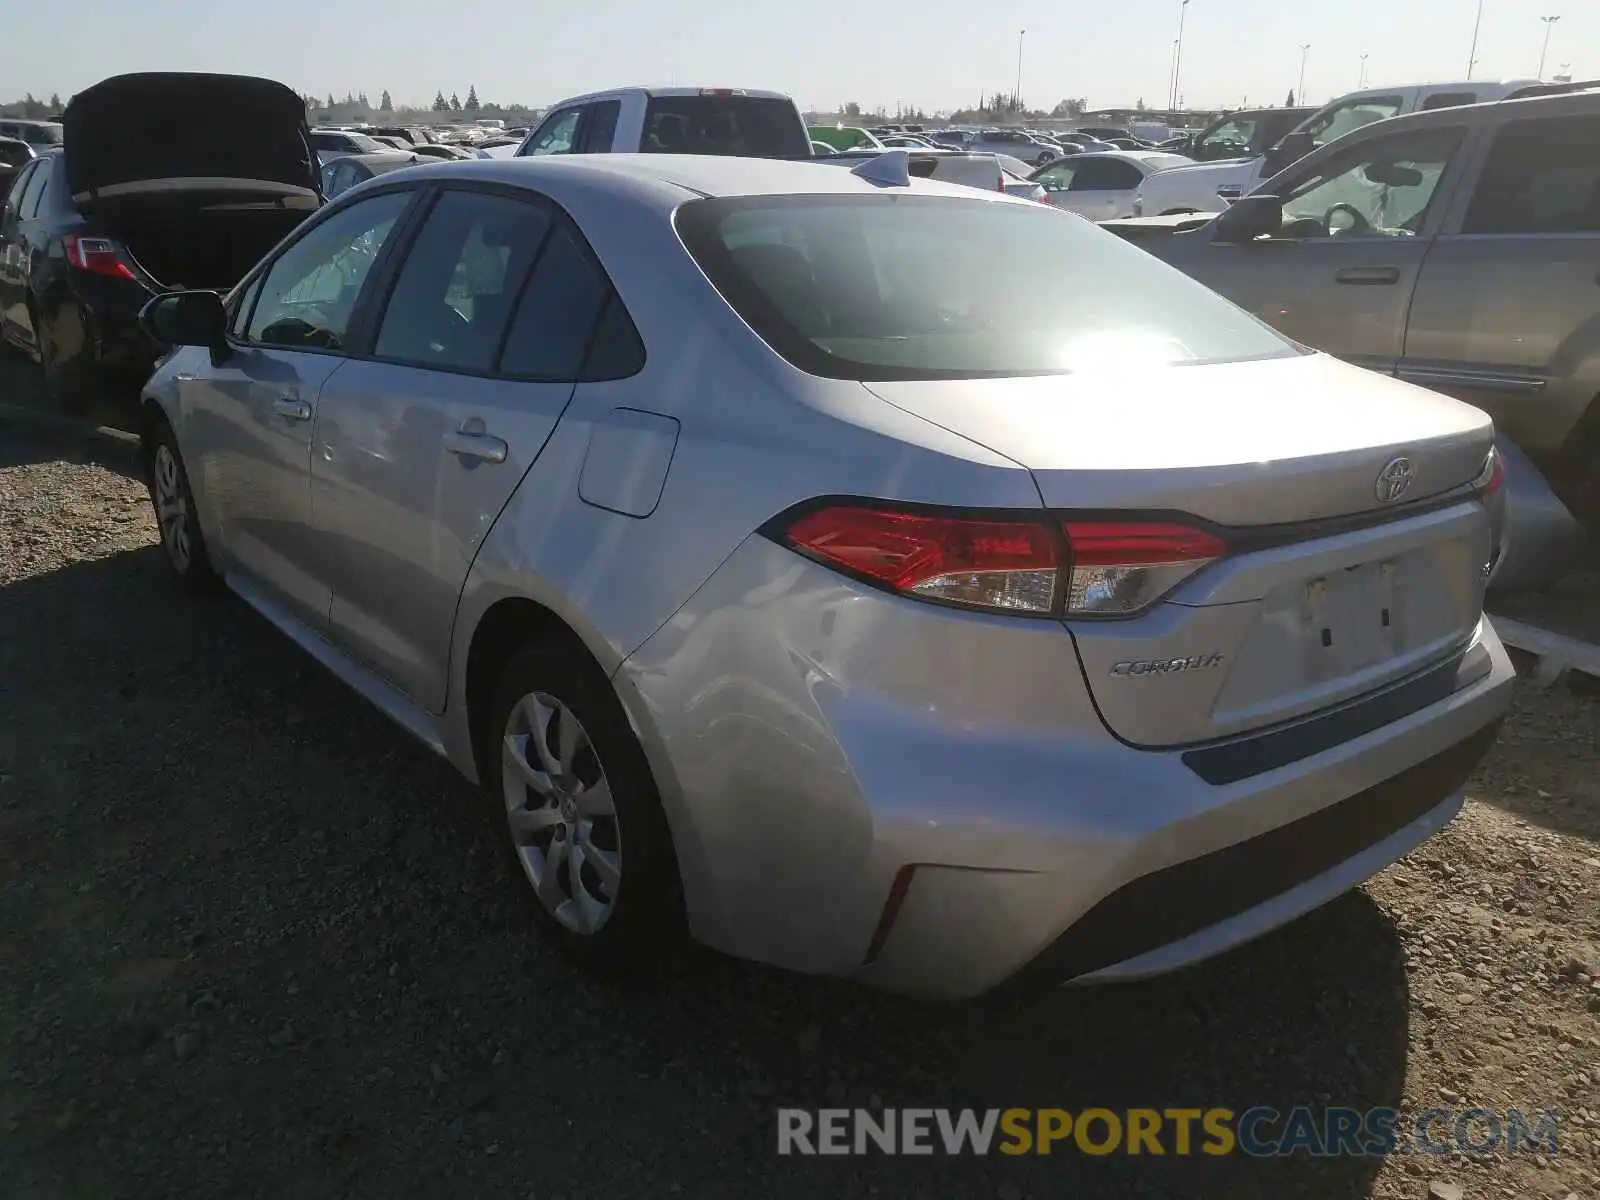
[[1361, 82], [1300, 92], [1016, 99], [1472, 55], [1549, 24], [1177, 57]]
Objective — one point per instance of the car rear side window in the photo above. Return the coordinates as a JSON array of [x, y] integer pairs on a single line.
[[924, 287], [1449, 100], [750, 126], [1541, 176], [559, 312], [453, 297], [599, 127]]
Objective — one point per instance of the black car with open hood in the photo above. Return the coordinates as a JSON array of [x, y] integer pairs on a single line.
[[164, 181]]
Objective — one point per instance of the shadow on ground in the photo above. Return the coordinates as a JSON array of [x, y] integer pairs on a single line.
[[259, 943]]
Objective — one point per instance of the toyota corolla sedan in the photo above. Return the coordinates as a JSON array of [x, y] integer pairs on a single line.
[[802, 572]]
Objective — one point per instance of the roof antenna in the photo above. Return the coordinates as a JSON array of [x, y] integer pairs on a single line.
[[892, 168]]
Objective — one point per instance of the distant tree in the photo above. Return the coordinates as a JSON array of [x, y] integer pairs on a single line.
[[1070, 108], [440, 104], [384, 103], [331, 102], [34, 108], [455, 102], [361, 99], [55, 102], [1138, 105], [472, 104], [1289, 103], [852, 109]]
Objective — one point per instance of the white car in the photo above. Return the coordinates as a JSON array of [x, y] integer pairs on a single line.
[[1102, 186]]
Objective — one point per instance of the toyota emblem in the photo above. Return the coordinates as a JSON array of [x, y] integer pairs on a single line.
[[1395, 479]]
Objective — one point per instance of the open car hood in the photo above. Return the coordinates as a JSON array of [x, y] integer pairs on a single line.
[[152, 132]]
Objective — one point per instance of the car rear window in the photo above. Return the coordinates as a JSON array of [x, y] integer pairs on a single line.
[[883, 287], [748, 126]]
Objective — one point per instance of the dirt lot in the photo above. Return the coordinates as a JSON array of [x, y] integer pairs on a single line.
[[255, 942]]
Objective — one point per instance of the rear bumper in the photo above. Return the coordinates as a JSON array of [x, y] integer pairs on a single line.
[[111, 313], [822, 748]]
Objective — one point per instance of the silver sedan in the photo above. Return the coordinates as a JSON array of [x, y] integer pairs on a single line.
[[801, 570]]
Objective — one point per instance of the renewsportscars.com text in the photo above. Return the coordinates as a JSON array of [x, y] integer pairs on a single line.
[[1259, 1132]]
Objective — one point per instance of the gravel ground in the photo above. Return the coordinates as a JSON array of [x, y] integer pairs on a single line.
[[255, 942]]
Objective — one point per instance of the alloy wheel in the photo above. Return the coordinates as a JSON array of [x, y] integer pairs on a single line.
[[172, 508], [561, 814]]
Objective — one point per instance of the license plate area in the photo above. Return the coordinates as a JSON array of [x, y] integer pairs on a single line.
[[1336, 633], [1352, 618]]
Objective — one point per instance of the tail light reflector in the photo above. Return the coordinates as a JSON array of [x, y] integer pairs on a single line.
[[98, 255], [1492, 477], [1033, 567]]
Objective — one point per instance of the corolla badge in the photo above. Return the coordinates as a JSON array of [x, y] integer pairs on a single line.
[[1394, 480], [1166, 666]]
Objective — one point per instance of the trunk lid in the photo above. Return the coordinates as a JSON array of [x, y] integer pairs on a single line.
[[1327, 592], [135, 138]]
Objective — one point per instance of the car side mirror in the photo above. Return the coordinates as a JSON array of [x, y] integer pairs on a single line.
[[1248, 218], [1292, 147], [187, 319]]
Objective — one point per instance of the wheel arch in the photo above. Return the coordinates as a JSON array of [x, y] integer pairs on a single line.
[[510, 622]]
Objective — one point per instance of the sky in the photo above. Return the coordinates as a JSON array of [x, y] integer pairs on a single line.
[[934, 54]]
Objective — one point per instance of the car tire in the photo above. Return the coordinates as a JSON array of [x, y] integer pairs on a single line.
[[578, 814], [177, 518]]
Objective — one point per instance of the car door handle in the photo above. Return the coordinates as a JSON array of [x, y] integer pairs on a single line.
[[291, 409], [476, 445], [1368, 276]]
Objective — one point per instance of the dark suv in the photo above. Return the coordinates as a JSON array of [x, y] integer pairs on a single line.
[[167, 181]]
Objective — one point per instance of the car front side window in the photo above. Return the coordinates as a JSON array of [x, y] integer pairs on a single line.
[[557, 134], [1381, 188], [310, 292], [1347, 118]]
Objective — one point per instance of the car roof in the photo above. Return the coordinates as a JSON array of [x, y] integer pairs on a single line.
[[669, 178], [661, 92]]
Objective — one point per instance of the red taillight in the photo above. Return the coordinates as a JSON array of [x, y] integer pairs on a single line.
[[1004, 565], [100, 255], [1077, 568]]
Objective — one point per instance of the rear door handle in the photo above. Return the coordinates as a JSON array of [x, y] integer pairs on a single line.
[[291, 409], [476, 445], [1368, 276]]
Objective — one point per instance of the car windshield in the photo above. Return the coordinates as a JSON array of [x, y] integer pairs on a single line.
[[923, 287], [749, 126], [45, 133], [365, 144]]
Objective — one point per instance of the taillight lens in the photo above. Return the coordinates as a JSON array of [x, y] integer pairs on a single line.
[[99, 255], [1037, 567], [1001, 565], [1121, 567], [1492, 477]]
